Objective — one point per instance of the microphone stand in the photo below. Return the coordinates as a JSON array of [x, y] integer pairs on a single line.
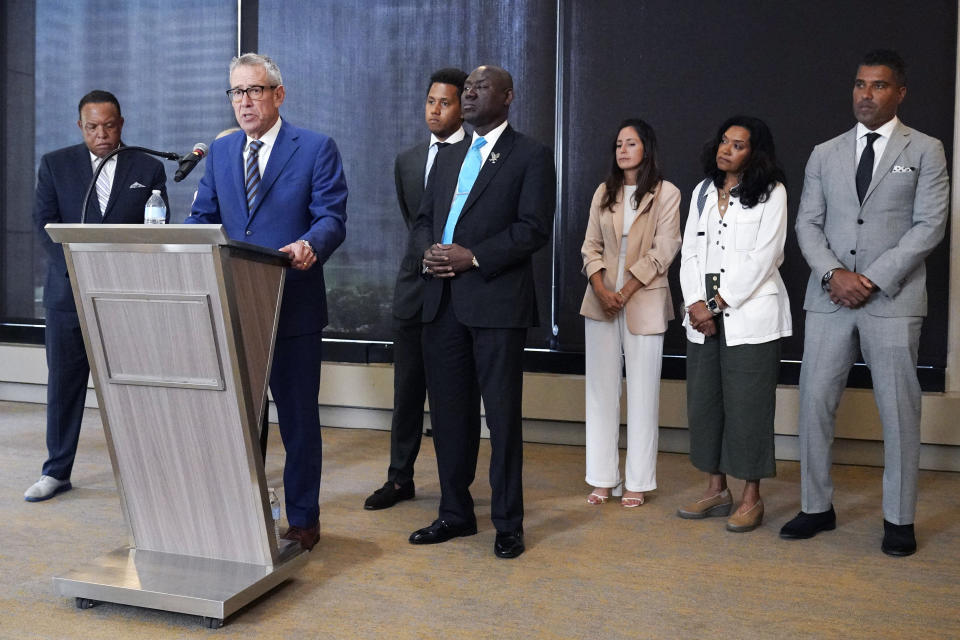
[[169, 155]]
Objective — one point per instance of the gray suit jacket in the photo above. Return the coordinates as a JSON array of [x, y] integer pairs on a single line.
[[408, 172], [901, 220]]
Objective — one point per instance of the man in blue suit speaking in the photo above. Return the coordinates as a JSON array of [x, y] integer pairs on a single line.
[[282, 187]]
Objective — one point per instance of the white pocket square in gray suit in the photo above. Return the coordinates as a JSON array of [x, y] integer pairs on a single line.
[[137, 185], [899, 169]]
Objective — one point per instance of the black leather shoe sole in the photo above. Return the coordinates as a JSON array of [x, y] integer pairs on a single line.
[[808, 533], [441, 532], [897, 550]]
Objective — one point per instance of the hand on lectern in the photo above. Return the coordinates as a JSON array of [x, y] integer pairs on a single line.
[[301, 254]]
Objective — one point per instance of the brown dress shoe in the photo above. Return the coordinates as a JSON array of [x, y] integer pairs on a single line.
[[307, 537], [748, 520], [716, 505]]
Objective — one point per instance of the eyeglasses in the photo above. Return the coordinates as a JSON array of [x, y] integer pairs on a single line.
[[255, 92]]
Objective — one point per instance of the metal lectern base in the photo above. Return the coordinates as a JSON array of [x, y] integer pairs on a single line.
[[213, 589]]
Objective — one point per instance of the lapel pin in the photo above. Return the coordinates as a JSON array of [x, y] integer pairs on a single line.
[[494, 156]]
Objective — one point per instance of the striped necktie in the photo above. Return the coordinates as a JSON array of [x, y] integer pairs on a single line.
[[252, 173], [103, 187], [469, 171]]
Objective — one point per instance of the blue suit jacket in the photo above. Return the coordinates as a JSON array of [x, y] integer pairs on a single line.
[[302, 195], [62, 180]]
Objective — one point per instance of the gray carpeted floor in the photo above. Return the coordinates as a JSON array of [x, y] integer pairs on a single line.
[[589, 572]]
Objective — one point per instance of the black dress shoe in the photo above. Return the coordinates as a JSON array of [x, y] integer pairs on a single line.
[[807, 525], [898, 539], [388, 495], [441, 531], [509, 544]]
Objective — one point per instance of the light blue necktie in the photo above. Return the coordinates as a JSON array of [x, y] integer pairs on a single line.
[[468, 175]]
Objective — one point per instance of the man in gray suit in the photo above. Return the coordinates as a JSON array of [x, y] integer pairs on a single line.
[[442, 113], [874, 204]]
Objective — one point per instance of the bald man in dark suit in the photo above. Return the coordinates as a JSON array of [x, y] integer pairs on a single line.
[[488, 208]]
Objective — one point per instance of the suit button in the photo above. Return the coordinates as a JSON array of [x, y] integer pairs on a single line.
[[860, 221], [853, 252], [249, 233], [726, 315], [723, 270]]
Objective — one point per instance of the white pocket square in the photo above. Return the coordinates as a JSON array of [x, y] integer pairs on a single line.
[[900, 169], [137, 185]]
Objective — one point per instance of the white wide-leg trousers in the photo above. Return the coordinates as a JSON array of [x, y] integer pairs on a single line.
[[610, 345]]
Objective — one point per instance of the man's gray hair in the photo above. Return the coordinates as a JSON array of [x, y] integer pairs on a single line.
[[257, 60]]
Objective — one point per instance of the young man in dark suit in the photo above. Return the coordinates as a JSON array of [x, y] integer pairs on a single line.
[[488, 207], [282, 187], [122, 191], [444, 120]]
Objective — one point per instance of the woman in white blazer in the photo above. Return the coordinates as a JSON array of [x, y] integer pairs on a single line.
[[736, 312], [632, 236]]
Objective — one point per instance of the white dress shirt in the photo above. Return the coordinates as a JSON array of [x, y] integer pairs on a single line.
[[453, 138], [879, 144], [110, 168], [491, 138], [268, 139]]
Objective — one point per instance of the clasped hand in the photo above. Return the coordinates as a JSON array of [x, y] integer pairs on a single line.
[[850, 289], [701, 318], [610, 301], [446, 260]]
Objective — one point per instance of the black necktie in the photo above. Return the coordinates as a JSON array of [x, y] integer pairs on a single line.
[[865, 168]]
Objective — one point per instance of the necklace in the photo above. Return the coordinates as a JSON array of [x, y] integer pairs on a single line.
[[723, 199]]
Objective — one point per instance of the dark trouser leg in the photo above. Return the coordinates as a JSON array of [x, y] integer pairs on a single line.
[[67, 375], [454, 410], [498, 354], [409, 391], [295, 385], [748, 376], [705, 404]]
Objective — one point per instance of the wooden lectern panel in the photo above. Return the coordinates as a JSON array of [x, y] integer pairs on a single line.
[[172, 357], [184, 451]]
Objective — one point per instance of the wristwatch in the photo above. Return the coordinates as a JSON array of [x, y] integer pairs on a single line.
[[307, 244], [825, 280], [476, 265], [713, 306]]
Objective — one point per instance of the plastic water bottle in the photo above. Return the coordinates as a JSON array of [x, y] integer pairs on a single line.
[[156, 210], [275, 509]]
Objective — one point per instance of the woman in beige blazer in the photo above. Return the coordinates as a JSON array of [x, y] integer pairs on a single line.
[[632, 237]]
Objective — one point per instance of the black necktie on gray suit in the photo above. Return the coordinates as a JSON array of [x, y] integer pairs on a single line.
[[865, 168]]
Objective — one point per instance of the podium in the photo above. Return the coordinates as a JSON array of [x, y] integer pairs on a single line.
[[179, 324]]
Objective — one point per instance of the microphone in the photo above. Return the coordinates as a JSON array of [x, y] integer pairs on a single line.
[[189, 161]]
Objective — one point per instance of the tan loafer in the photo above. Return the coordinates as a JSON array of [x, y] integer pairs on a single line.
[[748, 520], [716, 505]]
